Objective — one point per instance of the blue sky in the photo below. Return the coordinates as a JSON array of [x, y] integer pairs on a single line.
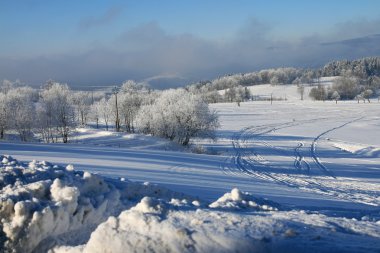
[[106, 42]]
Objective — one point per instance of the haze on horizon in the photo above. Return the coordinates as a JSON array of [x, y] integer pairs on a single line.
[[170, 43]]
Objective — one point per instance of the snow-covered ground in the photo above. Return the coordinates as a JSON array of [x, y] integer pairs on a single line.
[[101, 137], [317, 163], [295, 144], [46, 207]]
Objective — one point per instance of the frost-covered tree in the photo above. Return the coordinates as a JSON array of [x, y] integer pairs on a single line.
[[3, 114], [358, 98], [301, 90], [100, 112], [21, 111], [346, 86], [361, 68], [105, 110], [6, 86], [335, 96], [318, 93], [177, 115], [95, 112], [274, 80], [82, 101], [230, 94], [130, 100], [56, 112], [367, 94], [247, 94], [129, 105]]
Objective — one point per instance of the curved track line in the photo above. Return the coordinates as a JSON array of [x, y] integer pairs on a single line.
[[314, 145], [247, 163]]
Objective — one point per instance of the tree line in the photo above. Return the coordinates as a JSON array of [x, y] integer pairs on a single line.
[[347, 88], [52, 113], [364, 72]]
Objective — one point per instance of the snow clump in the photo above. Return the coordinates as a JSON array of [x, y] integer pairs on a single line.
[[238, 200]]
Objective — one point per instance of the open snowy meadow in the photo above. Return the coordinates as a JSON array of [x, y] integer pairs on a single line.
[[190, 126], [294, 176]]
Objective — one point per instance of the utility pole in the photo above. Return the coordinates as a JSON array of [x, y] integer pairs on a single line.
[[115, 91]]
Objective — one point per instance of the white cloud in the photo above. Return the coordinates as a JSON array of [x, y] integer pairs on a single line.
[[148, 51]]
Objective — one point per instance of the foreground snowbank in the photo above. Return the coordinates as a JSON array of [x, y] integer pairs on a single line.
[[158, 226], [44, 207], [41, 203]]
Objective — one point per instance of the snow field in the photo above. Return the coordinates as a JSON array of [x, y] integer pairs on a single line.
[[318, 160], [45, 207]]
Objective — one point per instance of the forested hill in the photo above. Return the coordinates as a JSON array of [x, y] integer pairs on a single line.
[[365, 69]]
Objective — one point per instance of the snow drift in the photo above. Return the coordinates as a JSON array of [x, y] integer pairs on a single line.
[[41, 202], [45, 207]]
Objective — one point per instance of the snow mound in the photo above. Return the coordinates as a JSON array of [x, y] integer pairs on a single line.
[[243, 200], [155, 226], [41, 202], [358, 149]]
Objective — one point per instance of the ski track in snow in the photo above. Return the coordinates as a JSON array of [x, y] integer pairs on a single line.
[[300, 163], [314, 144], [248, 163]]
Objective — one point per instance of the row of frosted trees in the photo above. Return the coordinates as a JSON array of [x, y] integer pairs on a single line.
[[53, 112], [347, 88], [26, 111]]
